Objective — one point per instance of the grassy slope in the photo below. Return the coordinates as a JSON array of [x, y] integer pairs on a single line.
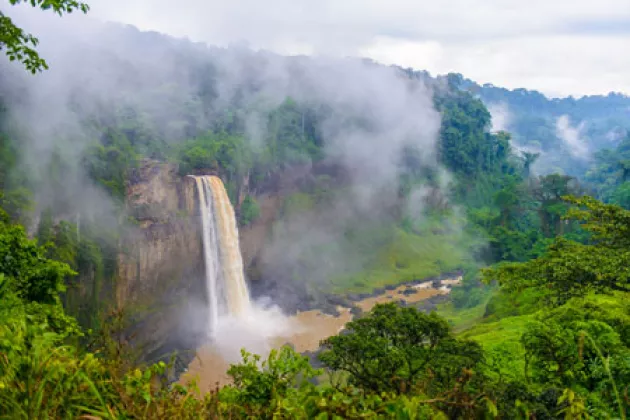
[[407, 257], [386, 253], [499, 323]]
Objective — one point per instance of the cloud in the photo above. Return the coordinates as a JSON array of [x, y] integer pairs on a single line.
[[366, 115], [572, 137], [539, 44], [501, 117]]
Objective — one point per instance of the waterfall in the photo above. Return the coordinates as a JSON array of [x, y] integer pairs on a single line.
[[225, 281]]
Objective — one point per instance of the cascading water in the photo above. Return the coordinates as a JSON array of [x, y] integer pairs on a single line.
[[225, 281]]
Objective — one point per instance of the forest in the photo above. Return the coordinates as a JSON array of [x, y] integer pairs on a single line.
[[538, 329]]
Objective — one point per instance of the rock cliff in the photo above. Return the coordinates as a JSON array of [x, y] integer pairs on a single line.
[[160, 265], [161, 284]]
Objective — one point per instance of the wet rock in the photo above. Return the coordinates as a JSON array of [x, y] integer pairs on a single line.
[[409, 291], [329, 309], [356, 311], [337, 300], [352, 297]]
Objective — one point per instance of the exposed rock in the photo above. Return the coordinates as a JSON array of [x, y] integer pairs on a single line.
[[353, 297], [356, 311], [336, 300], [430, 305], [380, 290], [409, 291], [160, 265], [253, 237]]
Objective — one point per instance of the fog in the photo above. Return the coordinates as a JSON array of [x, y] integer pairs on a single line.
[[572, 136], [104, 74], [501, 116]]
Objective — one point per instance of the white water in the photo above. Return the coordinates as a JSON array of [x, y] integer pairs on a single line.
[[228, 296]]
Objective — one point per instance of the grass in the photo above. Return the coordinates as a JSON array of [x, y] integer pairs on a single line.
[[503, 305], [501, 341], [381, 253], [490, 334], [463, 319], [407, 257]]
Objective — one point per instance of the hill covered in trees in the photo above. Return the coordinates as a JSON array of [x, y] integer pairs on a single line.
[[566, 132], [407, 180]]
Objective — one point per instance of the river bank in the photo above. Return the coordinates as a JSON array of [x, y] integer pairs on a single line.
[[308, 328]]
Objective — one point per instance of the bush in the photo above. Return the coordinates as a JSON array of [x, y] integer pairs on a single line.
[[250, 211]]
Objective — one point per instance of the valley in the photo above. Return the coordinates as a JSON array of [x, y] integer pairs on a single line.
[[190, 230]]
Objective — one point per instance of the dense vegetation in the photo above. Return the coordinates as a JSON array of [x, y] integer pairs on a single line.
[[543, 333], [571, 358], [600, 121]]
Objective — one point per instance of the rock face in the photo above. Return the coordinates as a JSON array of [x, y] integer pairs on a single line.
[[161, 278], [160, 265]]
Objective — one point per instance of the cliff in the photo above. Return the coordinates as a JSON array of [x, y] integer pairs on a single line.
[[160, 264], [161, 285]]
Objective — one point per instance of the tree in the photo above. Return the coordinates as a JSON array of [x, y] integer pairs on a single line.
[[549, 190], [570, 268], [393, 349], [33, 277], [20, 45], [528, 160]]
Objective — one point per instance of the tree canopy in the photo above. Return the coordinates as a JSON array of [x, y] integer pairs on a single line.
[[570, 268]]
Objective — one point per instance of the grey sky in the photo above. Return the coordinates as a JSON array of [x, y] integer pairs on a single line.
[[559, 47]]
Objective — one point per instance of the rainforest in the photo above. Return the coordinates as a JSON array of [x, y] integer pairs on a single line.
[[190, 231]]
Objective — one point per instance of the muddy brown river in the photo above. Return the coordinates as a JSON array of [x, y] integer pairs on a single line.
[[209, 368]]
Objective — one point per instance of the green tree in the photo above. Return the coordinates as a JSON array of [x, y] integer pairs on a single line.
[[250, 210], [570, 268], [20, 45], [394, 349], [528, 160], [548, 190], [34, 277], [263, 384]]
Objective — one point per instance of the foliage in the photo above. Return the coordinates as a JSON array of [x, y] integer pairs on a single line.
[[609, 173], [396, 363], [109, 161], [31, 275], [571, 268], [395, 349], [507, 354], [214, 152], [533, 122], [249, 211], [20, 45]]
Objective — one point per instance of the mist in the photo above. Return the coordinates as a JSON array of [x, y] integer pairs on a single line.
[[501, 116], [572, 137], [102, 74], [375, 113]]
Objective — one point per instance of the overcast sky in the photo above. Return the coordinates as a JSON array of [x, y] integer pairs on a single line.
[[560, 47]]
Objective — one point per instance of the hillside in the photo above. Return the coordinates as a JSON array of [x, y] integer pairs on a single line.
[[346, 178], [567, 132]]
